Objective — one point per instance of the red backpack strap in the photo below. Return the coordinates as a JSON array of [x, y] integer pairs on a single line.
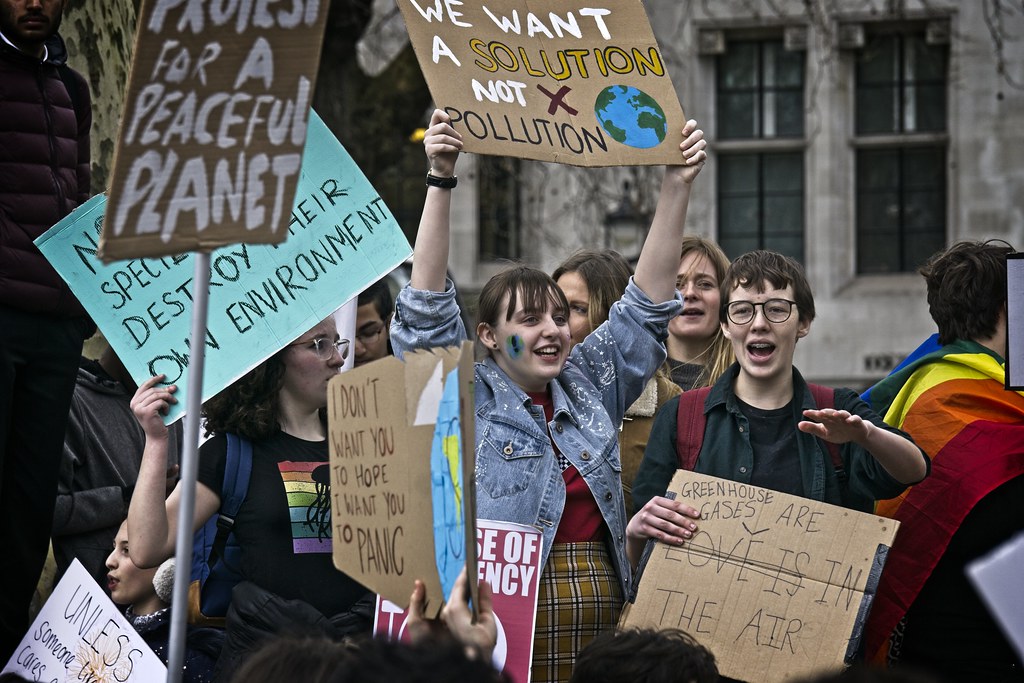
[[825, 397], [690, 421]]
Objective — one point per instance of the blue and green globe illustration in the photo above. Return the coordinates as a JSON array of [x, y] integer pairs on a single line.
[[631, 116]]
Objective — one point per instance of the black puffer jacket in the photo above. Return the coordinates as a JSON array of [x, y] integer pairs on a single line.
[[44, 173]]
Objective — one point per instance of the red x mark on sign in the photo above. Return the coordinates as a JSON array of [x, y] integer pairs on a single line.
[[558, 99]]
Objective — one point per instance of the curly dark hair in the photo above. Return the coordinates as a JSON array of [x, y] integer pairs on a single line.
[[249, 406]]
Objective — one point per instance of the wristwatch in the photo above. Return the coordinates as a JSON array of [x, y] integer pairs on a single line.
[[445, 183]]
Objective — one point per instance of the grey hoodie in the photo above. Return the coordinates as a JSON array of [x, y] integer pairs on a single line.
[[100, 464]]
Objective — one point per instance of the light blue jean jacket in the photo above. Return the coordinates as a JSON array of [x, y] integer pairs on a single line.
[[517, 474]]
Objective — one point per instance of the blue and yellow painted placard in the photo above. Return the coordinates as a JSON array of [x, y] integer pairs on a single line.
[[574, 83]]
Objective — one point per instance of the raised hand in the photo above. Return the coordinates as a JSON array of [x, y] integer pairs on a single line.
[[150, 403], [442, 144]]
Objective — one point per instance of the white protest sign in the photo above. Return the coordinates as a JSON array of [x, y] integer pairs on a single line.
[[80, 635]]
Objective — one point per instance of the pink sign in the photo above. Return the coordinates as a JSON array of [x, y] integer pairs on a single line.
[[508, 558]]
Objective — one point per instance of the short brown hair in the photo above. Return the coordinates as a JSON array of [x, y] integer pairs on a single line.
[[536, 287]]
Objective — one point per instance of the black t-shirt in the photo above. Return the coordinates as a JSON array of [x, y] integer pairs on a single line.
[[284, 523], [773, 440]]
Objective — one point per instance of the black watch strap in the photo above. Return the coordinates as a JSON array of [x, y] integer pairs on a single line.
[[446, 183]]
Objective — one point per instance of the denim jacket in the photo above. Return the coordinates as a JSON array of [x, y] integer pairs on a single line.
[[517, 474]]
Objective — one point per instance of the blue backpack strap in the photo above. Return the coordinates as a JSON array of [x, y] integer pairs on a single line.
[[237, 468]]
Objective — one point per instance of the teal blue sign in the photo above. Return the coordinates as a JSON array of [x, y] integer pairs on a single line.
[[341, 239]]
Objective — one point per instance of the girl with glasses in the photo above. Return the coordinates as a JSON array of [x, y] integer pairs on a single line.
[[548, 412], [283, 526]]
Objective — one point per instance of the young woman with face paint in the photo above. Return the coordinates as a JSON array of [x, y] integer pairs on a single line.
[[548, 413]]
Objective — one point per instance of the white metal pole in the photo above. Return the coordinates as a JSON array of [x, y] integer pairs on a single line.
[[189, 467]]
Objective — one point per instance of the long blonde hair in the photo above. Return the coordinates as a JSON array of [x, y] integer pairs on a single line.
[[719, 353]]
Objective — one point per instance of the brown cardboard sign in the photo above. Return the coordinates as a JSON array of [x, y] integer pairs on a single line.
[[402, 458], [775, 585], [213, 127], [562, 81]]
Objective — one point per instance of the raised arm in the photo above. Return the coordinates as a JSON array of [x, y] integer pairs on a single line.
[[659, 259], [430, 265], [152, 514]]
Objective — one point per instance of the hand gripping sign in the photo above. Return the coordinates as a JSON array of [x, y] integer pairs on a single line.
[[576, 83], [776, 586]]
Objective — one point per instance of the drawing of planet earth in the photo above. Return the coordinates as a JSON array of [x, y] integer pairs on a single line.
[[631, 116]]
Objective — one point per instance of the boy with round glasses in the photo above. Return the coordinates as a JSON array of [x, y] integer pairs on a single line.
[[763, 424]]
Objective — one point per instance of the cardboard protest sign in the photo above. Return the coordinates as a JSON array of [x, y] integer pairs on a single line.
[[342, 239], [509, 560], [561, 81], [80, 635], [776, 586], [402, 457], [213, 128]]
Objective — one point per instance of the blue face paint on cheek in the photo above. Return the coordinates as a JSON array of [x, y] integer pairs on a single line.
[[514, 345]]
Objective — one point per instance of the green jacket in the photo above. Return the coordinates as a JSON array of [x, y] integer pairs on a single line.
[[726, 451]]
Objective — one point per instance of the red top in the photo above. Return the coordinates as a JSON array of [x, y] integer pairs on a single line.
[[581, 518]]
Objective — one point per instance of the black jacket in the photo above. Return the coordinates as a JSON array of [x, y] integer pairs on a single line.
[[44, 171]]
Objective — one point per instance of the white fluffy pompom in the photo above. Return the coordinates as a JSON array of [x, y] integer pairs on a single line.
[[163, 580]]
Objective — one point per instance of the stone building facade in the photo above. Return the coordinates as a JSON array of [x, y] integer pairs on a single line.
[[857, 135]]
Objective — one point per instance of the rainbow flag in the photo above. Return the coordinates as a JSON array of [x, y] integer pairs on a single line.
[[954, 403]]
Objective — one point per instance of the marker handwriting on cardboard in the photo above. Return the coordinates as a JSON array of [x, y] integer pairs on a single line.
[[215, 123], [80, 635], [764, 572], [196, 17], [582, 85], [360, 469]]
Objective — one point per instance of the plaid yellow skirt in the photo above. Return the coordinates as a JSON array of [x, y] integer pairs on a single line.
[[579, 597]]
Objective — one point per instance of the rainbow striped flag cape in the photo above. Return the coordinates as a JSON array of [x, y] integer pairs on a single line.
[[954, 403]]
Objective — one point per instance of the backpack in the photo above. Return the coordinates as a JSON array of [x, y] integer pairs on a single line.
[[690, 423], [216, 555]]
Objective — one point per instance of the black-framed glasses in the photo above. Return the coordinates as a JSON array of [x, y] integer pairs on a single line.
[[324, 348], [775, 310], [369, 335]]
